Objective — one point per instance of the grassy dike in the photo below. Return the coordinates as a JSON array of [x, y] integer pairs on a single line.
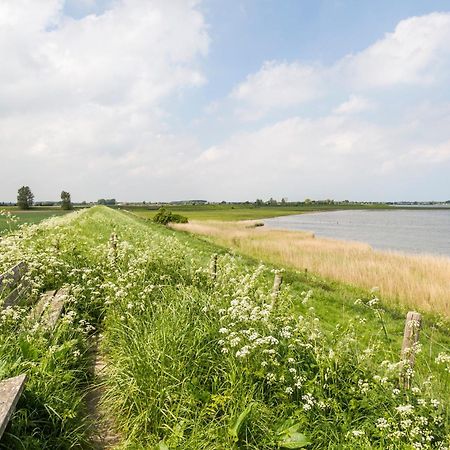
[[196, 363]]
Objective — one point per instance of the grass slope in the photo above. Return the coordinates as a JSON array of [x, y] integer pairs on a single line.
[[197, 363]]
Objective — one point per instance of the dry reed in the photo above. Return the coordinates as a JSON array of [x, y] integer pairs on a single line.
[[419, 281]]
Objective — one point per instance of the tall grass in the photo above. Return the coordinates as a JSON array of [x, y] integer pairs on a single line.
[[200, 363], [416, 281]]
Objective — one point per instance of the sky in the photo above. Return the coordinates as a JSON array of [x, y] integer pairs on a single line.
[[232, 100]]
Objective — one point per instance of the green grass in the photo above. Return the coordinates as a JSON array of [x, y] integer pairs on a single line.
[[174, 378], [31, 216], [242, 211]]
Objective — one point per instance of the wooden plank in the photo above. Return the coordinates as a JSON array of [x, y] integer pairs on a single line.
[[42, 304], [12, 276], [10, 392], [55, 309], [16, 295]]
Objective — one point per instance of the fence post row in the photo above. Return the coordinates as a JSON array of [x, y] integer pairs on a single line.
[[410, 341]]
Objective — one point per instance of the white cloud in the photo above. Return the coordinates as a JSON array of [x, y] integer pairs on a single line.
[[277, 86], [416, 52], [336, 156], [82, 108], [85, 95], [355, 104]]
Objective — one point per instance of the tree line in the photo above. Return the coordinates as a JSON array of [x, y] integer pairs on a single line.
[[25, 199]]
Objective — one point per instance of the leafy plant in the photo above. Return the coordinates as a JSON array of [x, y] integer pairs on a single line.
[[165, 217]]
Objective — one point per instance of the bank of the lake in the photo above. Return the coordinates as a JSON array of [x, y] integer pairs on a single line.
[[405, 280], [412, 231]]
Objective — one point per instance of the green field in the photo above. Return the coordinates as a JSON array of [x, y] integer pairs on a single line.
[[242, 211], [196, 361], [34, 215]]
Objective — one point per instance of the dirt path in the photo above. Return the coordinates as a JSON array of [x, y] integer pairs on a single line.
[[103, 434]]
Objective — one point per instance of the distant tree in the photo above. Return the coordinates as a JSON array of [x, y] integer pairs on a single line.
[[259, 202], [272, 202], [25, 198], [284, 201], [66, 202], [108, 201]]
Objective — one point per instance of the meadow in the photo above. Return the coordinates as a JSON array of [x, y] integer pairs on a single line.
[[11, 217], [243, 211], [204, 358]]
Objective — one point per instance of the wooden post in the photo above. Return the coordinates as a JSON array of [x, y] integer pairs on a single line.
[[213, 266], [276, 287], [113, 240], [410, 340]]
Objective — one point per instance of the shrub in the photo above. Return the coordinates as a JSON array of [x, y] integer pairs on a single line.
[[164, 217]]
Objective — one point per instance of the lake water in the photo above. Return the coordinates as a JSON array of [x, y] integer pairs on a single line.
[[415, 231]]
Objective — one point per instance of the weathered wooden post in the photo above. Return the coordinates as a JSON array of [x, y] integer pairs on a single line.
[[213, 267], [278, 279], [410, 341]]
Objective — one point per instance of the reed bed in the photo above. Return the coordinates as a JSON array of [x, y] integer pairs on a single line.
[[419, 281]]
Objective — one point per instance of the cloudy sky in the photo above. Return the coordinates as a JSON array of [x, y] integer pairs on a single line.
[[225, 99]]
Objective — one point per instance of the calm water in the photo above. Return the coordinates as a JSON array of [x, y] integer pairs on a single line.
[[418, 231]]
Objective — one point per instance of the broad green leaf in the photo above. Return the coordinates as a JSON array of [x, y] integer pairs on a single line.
[[294, 440], [234, 430]]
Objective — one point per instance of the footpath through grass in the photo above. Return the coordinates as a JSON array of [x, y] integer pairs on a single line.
[[196, 362]]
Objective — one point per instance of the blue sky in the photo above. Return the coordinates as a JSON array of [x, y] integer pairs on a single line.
[[156, 100]]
